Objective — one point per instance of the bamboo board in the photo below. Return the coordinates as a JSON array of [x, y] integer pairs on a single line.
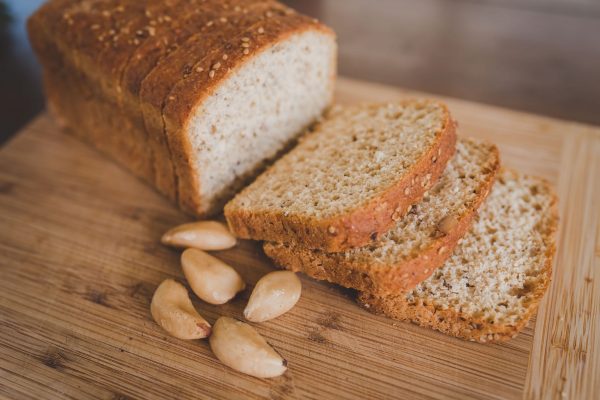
[[80, 258]]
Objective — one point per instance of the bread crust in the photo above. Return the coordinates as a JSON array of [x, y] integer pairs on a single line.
[[462, 325], [379, 278], [365, 222]]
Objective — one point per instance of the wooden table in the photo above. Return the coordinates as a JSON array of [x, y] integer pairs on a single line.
[[80, 258]]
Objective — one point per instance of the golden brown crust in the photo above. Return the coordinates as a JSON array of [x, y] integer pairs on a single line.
[[462, 325], [364, 223], [81, 104], [381, 279]]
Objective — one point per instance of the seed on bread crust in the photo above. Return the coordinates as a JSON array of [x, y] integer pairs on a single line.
[[447, 224]]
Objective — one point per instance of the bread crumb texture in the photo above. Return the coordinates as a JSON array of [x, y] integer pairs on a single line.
[[255, 113], [419, 242], [493, 282], [353, 155]]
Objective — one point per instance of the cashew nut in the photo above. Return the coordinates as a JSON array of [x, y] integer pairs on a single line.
[[172, 309], [239, 346], [274, 294], [210, 278], [204, 235]]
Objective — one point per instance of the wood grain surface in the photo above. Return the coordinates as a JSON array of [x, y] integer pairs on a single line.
[[80, 258]]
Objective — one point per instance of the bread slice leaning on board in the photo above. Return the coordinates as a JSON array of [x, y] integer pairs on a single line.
[[419, 242], [496, 277], [195, 98], [350, 179]]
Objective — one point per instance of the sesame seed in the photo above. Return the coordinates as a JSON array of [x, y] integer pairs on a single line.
[[148, 13], [171, 97], [136, 41], [111, 32], [167, 18], [246, 51], [261, 30], [245, 44], [225, 57], [152, 23], [407, 191], [223, 19], [105, 13], [216, 65], [237, 8], [151, 30], [268, 14], [245, 39], [210, 23], [120, 9], [139, 32], [94, 27], [199, 69], [211, 74], [332, 230]]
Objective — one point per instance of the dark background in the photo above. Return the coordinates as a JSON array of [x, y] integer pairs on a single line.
[[541, 56]]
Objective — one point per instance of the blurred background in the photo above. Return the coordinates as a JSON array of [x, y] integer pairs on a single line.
[[540, 56]]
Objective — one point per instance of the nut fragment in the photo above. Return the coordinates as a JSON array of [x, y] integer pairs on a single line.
[[210, 278], [203, 235], [274, 294], [239, 346], [447, 224], [172, 309]]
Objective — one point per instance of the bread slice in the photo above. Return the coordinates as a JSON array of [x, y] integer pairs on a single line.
[[195, 98], [419, 242], [494, 281], [348, 180]]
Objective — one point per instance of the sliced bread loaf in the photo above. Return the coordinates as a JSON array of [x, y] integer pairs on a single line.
[[419, 242], [194, 97], [494, 281], [350, 179]]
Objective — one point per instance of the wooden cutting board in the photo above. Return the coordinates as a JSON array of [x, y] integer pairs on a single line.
[[80, 258]]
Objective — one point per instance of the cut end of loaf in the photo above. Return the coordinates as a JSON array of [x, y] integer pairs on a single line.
[[258, 110], [347, 181], [494, 281]]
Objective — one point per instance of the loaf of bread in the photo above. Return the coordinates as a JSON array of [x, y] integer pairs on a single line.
[[350, 179], [193, 96], [494, 281], [419, 242]]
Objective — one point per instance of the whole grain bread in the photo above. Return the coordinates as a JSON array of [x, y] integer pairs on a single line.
[[494, 281], [418, 243], [193, 96], [349, 179]]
